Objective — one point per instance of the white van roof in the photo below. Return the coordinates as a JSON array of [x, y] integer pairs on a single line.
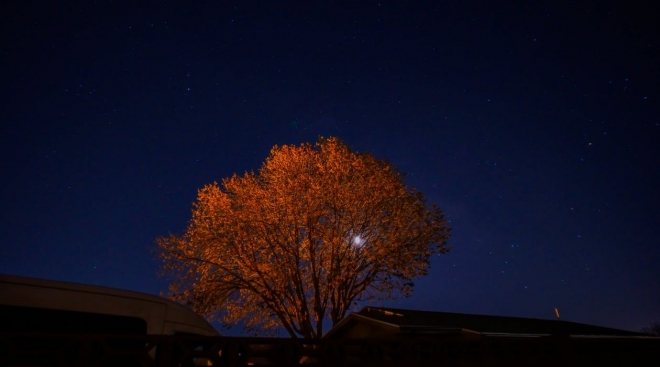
[[161, 315]]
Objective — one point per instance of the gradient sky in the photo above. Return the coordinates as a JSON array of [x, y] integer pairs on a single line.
[[534, 128]]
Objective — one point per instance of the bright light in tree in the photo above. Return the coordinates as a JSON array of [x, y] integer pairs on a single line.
[[358, 241]]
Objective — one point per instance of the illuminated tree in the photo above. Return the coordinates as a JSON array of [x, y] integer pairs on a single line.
[[318, 228]]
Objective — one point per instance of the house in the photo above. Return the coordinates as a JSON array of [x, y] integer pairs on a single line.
[[377, 336], [397, 323]]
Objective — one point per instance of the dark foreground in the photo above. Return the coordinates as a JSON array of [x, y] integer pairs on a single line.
[[20, 349]]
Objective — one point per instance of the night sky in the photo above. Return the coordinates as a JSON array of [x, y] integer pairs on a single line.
[[533, 127]]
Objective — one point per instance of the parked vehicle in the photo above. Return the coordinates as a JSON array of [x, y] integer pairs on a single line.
[[40, 305]]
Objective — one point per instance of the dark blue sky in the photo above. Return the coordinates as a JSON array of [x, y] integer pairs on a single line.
[[534, 128]]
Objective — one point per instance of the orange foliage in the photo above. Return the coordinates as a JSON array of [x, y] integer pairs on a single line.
[[319, 227]]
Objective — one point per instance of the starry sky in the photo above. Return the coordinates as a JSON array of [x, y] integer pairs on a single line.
[[533, 125]]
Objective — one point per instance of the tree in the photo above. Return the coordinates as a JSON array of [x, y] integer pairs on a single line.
[[318, 228], [653, 329]]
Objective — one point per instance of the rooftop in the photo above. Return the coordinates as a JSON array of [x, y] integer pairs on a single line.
[[415, 320]]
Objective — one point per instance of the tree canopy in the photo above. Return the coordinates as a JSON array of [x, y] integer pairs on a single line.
[[318, 228]]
